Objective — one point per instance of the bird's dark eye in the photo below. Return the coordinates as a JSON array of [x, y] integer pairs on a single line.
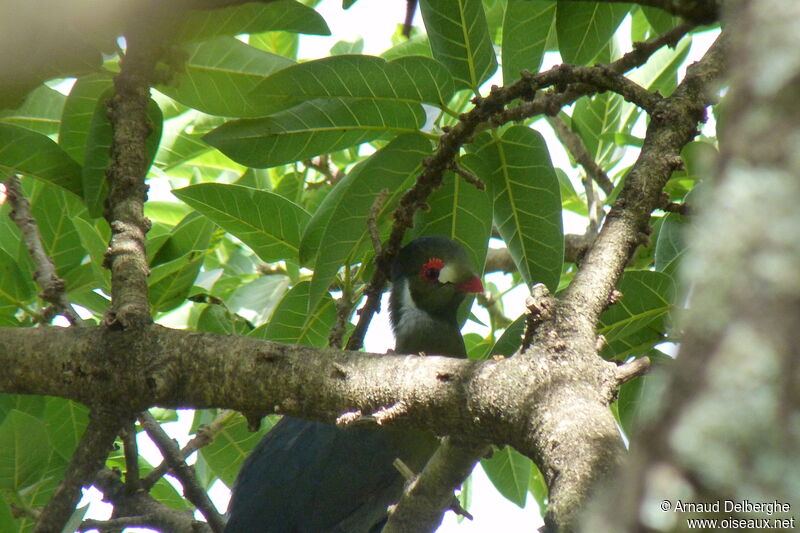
[[430, 270]]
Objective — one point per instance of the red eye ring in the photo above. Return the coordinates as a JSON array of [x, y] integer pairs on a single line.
[[430, 270]]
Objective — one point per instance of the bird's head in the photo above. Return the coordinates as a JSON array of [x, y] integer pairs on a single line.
[[432, 274]]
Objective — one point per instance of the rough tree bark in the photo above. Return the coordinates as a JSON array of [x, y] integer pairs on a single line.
[[725, 427], [551, 401]]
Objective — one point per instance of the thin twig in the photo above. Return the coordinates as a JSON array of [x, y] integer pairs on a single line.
[[45, 275], [468, 176], [185, 474], [573, 142], [372, 220], [132, 480], [205, 435], [323, 165], [572, 82]]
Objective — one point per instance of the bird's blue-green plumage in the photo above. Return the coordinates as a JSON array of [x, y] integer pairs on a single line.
[[313, 477]]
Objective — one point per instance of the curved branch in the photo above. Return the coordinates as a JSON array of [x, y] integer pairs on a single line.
[[576, 81], [53, 287]]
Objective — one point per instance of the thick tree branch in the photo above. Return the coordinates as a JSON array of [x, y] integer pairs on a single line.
[[45, 275], [126, 257], [429, 495], [171, 368], [569, 339], [672, 126], [745, 301]]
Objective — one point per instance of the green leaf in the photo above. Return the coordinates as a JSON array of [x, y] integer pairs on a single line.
[[284, 15], [509, 471], [171, 282], [257, 299], [418, 45], [40, 112], [97, 154], [219, 76], [23, 151], [292, 323], [511, 339], [461, 211], [459, 37], [26, 451], [75, 519], [584, 28], [313, 128], [54, 210], [525, 30], [180, 140], [217, 319], [671, 242], [178, 261], [14, 287], [32, 405], [646, 296], [407, 79], [660, 73], [276, 42], [231, 445], [267, 222], [192, 234], [94, 240], [637, 343], [527, 204], [348, 47], [78, 112], [538, 489], [660, 20], [346, 229], [65, 423], [628, 401], [596, 120]]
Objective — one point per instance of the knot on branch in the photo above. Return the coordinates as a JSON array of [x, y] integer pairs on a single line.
[[539, 308]]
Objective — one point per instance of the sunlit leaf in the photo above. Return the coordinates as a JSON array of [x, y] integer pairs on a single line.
[[283, 15], [459, 38], [527, 205], [312, 128], [219, 75], [584, 28], [525, 30], [268, 223], [509, 472], [23, 151]]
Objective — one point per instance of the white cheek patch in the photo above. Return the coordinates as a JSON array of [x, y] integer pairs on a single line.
[[411, 314], [448, 274]]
